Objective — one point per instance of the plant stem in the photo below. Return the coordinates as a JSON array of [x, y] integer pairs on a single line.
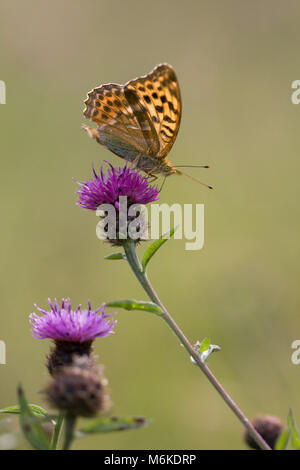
[[70, 421], [134, 262], [57, 429]]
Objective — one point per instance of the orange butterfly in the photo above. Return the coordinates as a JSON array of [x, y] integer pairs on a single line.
[[138, 121]]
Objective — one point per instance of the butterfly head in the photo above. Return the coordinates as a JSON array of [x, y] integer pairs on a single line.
[[168, 169]]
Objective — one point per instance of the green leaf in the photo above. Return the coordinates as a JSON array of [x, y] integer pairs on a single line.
[[115, 256], [294, 431], [31, 427], [110, 424], [35, 409], [283, 440], [205, 343], [152, 249], [204, 349], [131, 304]]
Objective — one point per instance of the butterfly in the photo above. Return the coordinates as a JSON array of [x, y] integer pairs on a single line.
[[138, 121]]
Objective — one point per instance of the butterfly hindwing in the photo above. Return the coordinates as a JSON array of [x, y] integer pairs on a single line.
[[118, 128]]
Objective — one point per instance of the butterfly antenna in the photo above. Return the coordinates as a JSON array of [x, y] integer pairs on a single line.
[[162, 184], [192, 166], [197, 181]]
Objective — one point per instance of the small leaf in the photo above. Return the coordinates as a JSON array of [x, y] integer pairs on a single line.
[[31, 428], [283, 440], [152, 249], [35, 409], [115, 256], [205, 343], [294, 431], [130, 304], [110, 424], [204, 349]]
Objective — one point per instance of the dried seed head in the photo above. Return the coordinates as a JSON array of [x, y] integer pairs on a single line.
[[79, 389]]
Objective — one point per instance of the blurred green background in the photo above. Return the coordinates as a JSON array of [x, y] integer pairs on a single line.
[[235, 62]]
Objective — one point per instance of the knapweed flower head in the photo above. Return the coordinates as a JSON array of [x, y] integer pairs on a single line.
[[122, 181], [67, 325]]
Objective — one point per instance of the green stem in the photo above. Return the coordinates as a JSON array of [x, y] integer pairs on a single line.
[[134, 262], [70, 421], [57, 429]]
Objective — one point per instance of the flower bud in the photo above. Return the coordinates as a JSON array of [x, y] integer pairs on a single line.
[[79, 389], [269, 427]]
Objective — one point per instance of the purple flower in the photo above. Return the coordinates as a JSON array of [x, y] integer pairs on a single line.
[[64, 324], [106, 189]]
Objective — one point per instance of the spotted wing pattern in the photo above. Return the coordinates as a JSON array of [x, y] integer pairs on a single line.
[[118, 128], [159, 93], [140, 118]]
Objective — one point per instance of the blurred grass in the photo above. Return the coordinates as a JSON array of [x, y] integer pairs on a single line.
[[235, 62]]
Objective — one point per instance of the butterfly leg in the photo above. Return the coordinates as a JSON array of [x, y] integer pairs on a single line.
[[150, 173], [160, 189], [153, 177], [133, 163]]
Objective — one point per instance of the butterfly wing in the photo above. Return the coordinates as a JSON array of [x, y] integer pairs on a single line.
[[138, 121], [123, 124], [159, 94]]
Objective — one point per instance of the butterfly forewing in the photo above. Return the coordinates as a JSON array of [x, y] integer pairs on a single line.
[[159, 93], [143, 117]]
